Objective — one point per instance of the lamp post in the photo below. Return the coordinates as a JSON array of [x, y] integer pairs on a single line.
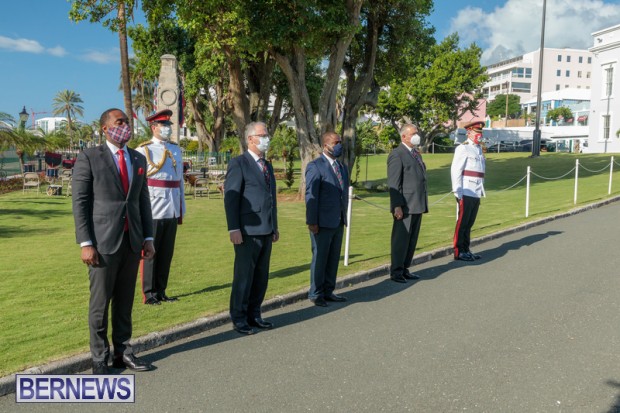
[[506, 119], [23, 118], [536, 138]]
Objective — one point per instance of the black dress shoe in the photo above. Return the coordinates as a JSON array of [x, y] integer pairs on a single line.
[[475, 256], [464, 256], [100, 367], [410, 276], [335, 297], [319, 302], [399, 279], [131, 362], [164, 297], [152, 301], [260, 323], [244, 329]]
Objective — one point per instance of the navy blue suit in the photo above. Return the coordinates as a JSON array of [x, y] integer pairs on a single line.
[[326, 206], [250, 205]]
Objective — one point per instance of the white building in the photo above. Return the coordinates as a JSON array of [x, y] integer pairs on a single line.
[[562, 69], [605, 90], [49, 124], [577, 100]]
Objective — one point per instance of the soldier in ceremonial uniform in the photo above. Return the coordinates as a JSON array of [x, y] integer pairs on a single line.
[[165, 182], [467, 173]]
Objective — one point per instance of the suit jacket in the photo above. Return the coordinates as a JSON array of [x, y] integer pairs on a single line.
[[326, 200], [250, 203], [100, 204], [407, 182]]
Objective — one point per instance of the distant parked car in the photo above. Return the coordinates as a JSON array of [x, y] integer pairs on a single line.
[[503, 147], [526, 145]]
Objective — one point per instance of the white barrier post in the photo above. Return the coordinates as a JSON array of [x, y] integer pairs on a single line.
[[348, 236], [611, 171], [576, 180], [527, 194], [433, 147]]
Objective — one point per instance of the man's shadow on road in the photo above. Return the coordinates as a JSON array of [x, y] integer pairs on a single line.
[[365, 293]]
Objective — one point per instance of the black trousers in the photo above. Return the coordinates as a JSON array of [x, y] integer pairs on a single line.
[[112, 281], [468, 210], [251, 276], [155, 272], [404, 239]]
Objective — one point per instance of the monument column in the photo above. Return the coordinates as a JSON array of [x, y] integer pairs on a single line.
[[168, 92]]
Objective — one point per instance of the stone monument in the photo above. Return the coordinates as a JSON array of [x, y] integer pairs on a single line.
[[168, 92]]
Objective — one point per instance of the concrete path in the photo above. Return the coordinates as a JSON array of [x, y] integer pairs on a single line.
[[532, 327]]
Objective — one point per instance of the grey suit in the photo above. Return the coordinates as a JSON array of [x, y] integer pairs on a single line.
[[407, 185], [100, 209], [251, 207]]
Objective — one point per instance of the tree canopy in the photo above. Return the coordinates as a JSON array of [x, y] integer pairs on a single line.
[[497, 107]]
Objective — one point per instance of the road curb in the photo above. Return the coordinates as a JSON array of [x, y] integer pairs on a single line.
[[82, 362]]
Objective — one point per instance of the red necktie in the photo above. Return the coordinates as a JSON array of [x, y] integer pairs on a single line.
[[122, 167]]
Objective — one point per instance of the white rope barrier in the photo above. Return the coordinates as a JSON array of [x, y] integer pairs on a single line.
[[553, 179], [591, 171]]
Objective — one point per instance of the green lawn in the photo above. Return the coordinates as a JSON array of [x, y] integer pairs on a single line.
[[44, 300]]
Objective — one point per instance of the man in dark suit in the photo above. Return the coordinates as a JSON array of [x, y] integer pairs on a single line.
[[408, 201], [251, 214], [327, 198], [113, 225]]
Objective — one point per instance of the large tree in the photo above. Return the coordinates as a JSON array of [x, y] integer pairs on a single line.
[[114, 15], [443, 84], [67, 103], [391, 31]]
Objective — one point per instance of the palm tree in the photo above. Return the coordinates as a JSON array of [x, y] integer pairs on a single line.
[[6, 120], [67, 103]]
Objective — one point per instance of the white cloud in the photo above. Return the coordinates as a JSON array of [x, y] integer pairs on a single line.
[[58, 51], [514, 28], [21, 45], [29, 46], [109, 56]]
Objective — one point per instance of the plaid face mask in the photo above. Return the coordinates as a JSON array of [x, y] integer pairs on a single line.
[[120, 134]]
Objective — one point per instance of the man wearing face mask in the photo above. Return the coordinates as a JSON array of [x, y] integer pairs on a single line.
[[327, 199], [251, 214], [467, 173], [408, 201], [165, 181], [114, 226]]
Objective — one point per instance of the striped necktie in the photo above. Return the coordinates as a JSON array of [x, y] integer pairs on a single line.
[[263, 166], [336, 167]]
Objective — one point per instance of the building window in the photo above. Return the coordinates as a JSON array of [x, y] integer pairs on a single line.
[[587, 87], [568, 59], [588, 75], [528, 73], [609, 80], [580, 59], [606, 123], [565, 86], [589, 60], [521, 87], [557, 87], [579, 73], [559, 58], [558, 72], [578, 87], [568, 73]]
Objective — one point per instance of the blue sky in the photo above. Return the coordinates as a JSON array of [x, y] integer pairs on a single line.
[[42, 52]]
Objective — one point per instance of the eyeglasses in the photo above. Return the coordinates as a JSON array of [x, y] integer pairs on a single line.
[[262, 136]]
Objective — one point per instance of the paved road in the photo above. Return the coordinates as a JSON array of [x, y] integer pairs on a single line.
[[533, 327]]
